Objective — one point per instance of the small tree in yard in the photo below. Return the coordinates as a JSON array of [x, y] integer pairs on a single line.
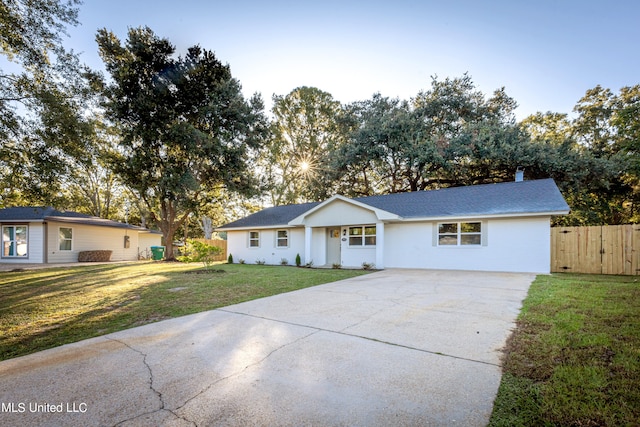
[[186, 130], [200, 252]]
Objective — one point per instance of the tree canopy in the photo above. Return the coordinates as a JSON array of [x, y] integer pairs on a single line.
[[304, 132], [42, 95], [185, 128]]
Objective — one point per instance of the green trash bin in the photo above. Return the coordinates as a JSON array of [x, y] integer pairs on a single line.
[[157, 252]]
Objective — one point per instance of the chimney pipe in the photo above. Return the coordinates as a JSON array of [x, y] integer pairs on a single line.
[[519, 174]]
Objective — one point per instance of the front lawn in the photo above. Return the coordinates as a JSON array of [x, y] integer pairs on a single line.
[[574, 359], [41, 309]]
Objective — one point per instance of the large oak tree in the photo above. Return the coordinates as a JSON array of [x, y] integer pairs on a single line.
[[304, 132], [38, 90], [186, 130]]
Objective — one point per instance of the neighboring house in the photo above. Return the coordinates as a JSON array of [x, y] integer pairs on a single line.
[[47, 235], [491, 227]]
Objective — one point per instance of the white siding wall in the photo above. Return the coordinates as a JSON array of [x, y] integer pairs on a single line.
[[35, 245], [88, 238], [238, 246], [146, 240], [514, 245]]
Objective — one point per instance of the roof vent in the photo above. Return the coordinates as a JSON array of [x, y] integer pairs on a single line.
[[519, 174]]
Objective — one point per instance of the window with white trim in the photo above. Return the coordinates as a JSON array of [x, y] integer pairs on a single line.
[[14, 241], [282, 238], [460, 234], [254, 239], [65, 238], [362, 236]]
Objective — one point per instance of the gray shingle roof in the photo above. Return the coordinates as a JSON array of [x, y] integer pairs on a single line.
[[487, 199], [517, 198], [46, 213], [277, 215]]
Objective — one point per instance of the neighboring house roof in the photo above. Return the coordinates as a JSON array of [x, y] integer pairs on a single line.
[[40, 213], [508, 198]]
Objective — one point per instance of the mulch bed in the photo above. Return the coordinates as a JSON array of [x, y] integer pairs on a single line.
[[205, 271], [94, 256]]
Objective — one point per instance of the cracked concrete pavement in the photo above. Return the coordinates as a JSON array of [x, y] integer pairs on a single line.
[[396, 347]]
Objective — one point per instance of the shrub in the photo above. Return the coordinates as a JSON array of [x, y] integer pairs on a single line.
[[367, 266], [336, 266], [284, 261], [261, 262], [230, 259], [241, 261], [196, 251], [298, 260]]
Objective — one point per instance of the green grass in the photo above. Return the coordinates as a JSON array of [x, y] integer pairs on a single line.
[[574, 359], [40, 309]]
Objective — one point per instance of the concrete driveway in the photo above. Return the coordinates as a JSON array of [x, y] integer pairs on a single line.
[[397, 347]]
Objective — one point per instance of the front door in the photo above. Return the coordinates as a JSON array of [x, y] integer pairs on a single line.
[[333, 246]]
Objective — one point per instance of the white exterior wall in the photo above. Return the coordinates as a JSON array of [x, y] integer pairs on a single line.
[[340, 213], [513, 245], [318, 247], [238, 246], [35, 245], [146, 240], [354, 256], [89, 238]]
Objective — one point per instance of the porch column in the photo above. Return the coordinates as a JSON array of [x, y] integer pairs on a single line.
[[379, 245], [307, 244]]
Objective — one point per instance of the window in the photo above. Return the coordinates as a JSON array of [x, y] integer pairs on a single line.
[[282, 239], [14, 241], [362, 236], [460, 234], [65, 238], [254, 239]]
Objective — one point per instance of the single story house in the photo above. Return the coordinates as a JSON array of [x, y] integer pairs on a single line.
[[47, 235], [490, 227]]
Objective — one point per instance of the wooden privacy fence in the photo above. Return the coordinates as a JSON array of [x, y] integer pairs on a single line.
[[607, 249], [219, 243]]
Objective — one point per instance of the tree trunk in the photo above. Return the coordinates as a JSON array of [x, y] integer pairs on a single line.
[[168, 243], [169, 225], [207, 227]]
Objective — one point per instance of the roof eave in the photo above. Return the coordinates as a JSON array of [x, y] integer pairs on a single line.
[[255, 227]]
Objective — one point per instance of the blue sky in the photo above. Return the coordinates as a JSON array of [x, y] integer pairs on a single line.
[[546, 53]]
